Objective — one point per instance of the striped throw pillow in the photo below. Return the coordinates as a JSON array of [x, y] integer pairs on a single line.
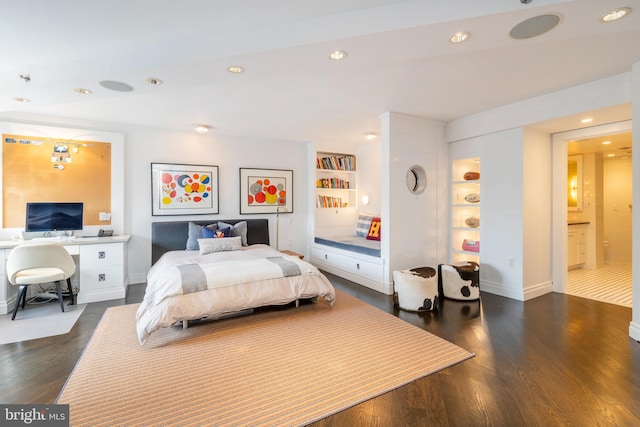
[[364, 222]]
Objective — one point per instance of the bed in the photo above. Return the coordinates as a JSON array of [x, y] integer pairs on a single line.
[[184, 285]]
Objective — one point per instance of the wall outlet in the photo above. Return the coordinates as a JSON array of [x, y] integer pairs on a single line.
[[511, 263]]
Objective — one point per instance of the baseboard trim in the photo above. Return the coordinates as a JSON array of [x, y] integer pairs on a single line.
[[634, 331], [499, 289], [137, 278], [537, 290]]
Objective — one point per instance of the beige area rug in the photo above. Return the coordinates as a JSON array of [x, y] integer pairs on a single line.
[[39, 321], [283, 367]]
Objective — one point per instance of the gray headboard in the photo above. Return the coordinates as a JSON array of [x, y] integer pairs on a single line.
[[172, 236]]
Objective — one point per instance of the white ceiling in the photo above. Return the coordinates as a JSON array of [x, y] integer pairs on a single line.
[[399, 59]]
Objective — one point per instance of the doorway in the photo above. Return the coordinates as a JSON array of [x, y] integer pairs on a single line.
[[602, 269]]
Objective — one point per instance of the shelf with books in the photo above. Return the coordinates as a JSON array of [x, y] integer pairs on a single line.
[[335, 180]]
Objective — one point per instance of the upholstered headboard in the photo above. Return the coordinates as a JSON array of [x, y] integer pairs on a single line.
[[172, 236]]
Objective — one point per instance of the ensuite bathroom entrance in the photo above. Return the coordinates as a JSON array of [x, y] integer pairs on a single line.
[[599, 217]]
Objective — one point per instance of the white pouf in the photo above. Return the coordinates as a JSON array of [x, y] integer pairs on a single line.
[[417, 289], [460, 282]]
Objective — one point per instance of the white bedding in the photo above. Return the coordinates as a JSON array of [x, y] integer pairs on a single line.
[[233, 281]]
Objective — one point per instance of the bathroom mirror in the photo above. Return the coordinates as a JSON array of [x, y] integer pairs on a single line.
[[574, 182], [416, 179]]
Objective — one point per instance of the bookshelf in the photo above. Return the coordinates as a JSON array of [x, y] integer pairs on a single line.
[[335, 181]]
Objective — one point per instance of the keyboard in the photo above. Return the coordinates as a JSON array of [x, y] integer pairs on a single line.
[[54, 238]]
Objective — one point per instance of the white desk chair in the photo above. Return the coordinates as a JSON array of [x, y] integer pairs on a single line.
[[34, 264]]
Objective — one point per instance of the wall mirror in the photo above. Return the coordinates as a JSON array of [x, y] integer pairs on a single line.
[[574, 182]]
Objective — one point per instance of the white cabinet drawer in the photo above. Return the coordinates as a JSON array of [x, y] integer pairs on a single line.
[[359, 267], [98, 255], [101, 277]]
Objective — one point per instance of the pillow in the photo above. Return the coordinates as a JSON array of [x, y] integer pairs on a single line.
[[374, 229], [208, 246], [208, 233], [238, 229], [195, 233], [364, 222]]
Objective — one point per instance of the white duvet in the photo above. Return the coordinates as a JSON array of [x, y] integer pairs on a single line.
[[225, 282]]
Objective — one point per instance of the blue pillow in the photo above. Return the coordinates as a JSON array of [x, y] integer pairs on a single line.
[[195, 233], [208, 233]]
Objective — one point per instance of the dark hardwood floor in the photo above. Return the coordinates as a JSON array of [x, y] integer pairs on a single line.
[[556, 360]]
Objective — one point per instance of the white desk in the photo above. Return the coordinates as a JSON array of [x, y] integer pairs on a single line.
[[101, 273]]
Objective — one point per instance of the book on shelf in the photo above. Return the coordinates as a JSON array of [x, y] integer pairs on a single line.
[[332, 183], [329, 202], [345, 162]]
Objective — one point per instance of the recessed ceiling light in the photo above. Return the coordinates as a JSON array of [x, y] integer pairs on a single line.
[[370, 136], [82, 91], [20, 99], [203, 128], [606, 142], [338, 55], [459, 37], [611, 155], [614, 15], [153, 81], [117, 86], [535, 26], [587, 120], [236, 69]]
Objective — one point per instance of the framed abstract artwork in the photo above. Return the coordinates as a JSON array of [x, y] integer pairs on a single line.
[[266, 191], [184, 189]]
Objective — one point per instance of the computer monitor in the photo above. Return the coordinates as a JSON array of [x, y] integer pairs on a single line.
[[54, 216]]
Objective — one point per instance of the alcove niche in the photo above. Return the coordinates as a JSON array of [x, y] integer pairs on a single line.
[[52, 164]]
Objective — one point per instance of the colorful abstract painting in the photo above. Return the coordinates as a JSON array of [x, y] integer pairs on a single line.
[[184, 189], [265, 191]]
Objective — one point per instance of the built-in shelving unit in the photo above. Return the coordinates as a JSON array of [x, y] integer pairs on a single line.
[[465, 210], [335, 180]]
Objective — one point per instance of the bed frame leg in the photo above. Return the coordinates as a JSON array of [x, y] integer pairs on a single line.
[[297, 303], [185, 324]]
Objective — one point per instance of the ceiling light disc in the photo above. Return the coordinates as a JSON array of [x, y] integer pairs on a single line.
[[153, 81], [614, 15], [535, 26], [338, 55], [459, 37], [117, 86], [20, 99], [82, 91], [235, 69]]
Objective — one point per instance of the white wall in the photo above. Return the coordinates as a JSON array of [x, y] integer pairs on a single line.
[[501, 250], [414, 227], [369, 180], [536, 214], [587, 97], [144, 146], [617, 210], [634, 327]]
